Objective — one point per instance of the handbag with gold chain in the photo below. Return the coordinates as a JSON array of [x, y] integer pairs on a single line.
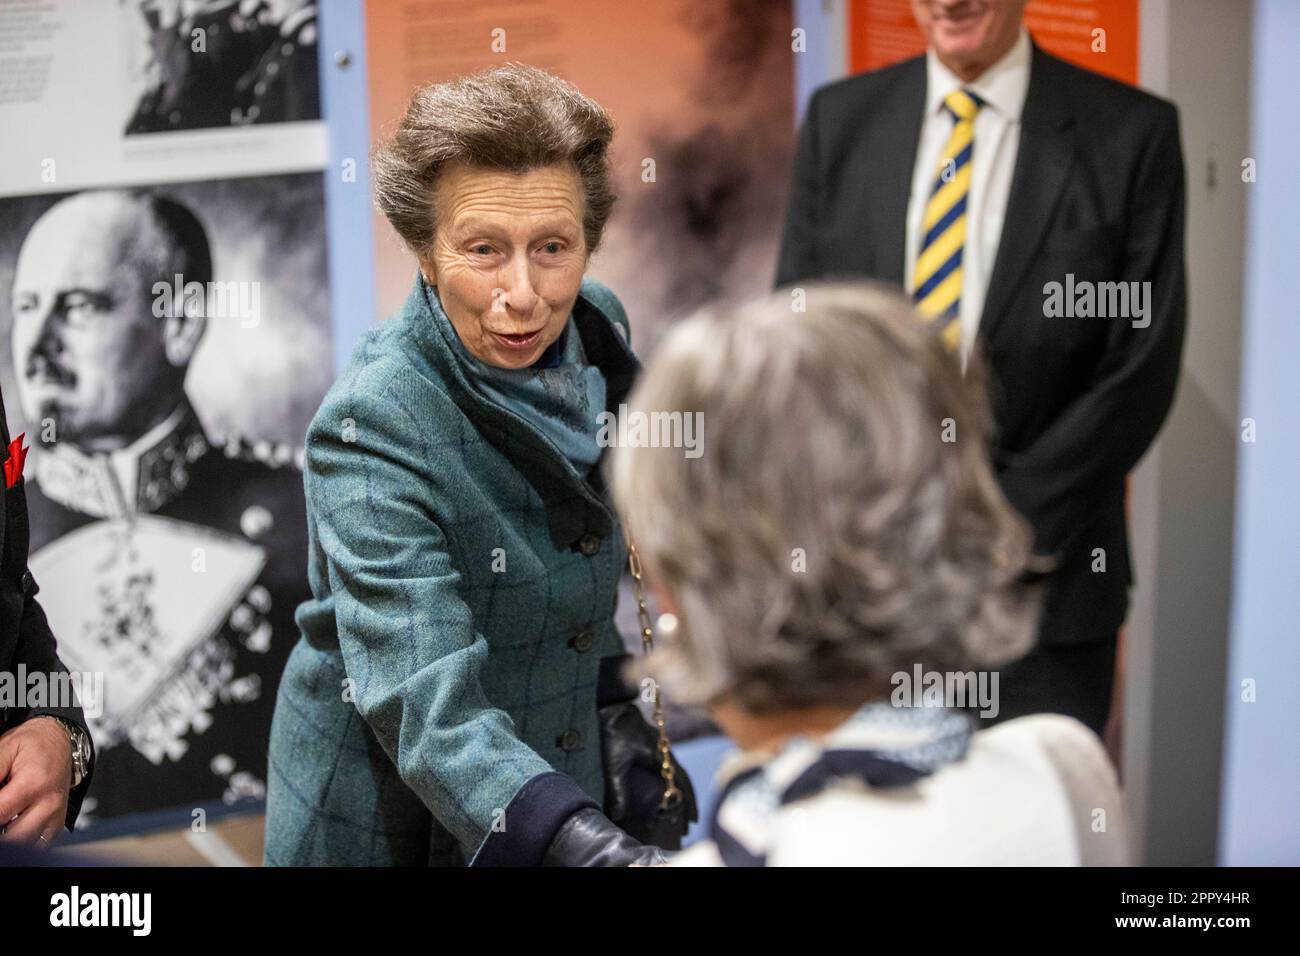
[[647, 793]]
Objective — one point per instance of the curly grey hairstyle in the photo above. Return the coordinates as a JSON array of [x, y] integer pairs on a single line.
[[515, 118], [832, 532]]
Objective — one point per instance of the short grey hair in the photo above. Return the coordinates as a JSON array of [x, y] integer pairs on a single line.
[[824, 432], [514, 118]]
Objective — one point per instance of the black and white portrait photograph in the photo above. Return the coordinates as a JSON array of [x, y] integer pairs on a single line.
[[163, 373], [201, 64]]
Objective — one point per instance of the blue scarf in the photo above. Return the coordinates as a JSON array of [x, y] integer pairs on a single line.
[[560, 394]]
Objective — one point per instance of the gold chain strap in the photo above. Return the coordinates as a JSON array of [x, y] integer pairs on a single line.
[[672, 793]]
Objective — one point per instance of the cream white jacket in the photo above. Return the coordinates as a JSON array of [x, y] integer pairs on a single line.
[[1034, 791]]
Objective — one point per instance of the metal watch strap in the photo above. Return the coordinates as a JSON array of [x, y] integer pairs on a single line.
[[80, 751]]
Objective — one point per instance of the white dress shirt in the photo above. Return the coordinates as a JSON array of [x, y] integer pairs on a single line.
[[1003, 87]]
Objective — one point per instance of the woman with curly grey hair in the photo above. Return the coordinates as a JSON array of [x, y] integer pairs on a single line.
[[841, 577], [455, 697]]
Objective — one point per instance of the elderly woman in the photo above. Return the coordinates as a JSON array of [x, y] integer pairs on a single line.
[[455, 696], [847, 537]]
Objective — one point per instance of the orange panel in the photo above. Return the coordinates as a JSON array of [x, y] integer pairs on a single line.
[[882, 32]]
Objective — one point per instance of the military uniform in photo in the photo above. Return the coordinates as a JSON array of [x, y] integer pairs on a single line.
[[174, 567], [196, 89], [284, 86]]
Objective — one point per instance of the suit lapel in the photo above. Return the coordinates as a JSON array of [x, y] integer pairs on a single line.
[[1042, 166], [890, 171]]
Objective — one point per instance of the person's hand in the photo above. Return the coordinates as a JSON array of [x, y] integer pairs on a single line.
[[35, 776], [630, 754], [588, 838]]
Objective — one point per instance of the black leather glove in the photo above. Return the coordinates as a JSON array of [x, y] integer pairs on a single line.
[[630, 752], [588, 838]]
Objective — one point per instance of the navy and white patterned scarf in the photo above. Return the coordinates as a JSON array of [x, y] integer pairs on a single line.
[[881, 745]]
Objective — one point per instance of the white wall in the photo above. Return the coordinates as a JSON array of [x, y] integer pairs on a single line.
[[1261, 786], [1196, 53]]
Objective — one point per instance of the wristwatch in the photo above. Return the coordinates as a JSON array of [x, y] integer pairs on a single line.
[[80, 751]]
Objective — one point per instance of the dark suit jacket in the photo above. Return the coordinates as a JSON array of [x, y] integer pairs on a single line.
[[25, 636], [1097, 191]]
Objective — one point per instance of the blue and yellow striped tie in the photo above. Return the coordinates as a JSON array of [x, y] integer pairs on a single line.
[[937, 287]]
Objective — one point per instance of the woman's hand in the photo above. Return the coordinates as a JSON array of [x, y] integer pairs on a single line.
[[630, 753], [588, 838], [633, 780]]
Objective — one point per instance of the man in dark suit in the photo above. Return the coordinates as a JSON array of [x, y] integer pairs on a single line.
[[46, 754], [1034, 210]]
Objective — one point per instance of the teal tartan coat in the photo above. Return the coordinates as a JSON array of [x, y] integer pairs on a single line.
[[463, 578]]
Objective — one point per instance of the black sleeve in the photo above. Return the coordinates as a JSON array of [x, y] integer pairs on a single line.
[[534, 816], [35, 649], [1103, 433], [799, 258], [38, 651]]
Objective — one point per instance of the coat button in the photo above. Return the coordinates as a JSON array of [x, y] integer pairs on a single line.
[[569, 741], [589, 544], [583, 641]]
